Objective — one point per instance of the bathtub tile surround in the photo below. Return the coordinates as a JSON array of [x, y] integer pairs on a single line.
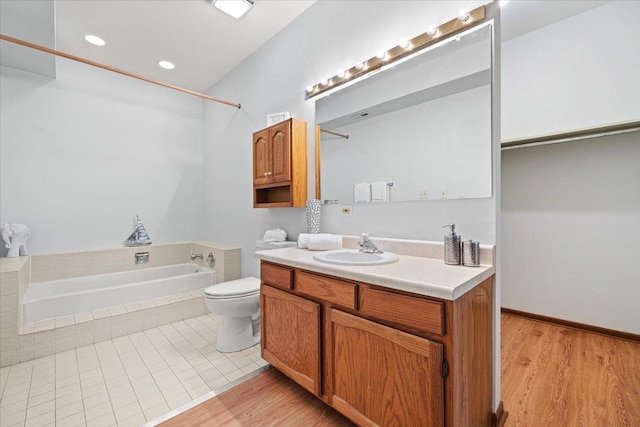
[[19, 343], [128, 380]]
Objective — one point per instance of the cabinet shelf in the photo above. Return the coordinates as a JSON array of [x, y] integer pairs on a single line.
[[280, 165]]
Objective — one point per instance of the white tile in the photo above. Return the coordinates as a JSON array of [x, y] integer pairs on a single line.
[[106, 420], [41, 409], [11, 406], [41, 398], [61, 322], [101, 313], [42, 389], [98, 411], [73, 388], [117, 310], [83, 317], [156, 411], [95, 399], [234, 375], [69, 410], [147, 402], [71, 421], [120, 390], [44, 325], [250, 368], [67, 381], [172, 392], [178, 401], [93, 390], [134, 421], [127, 411], [198, 391], [123, 400], [14, 419], [69, 399], [217, 383]]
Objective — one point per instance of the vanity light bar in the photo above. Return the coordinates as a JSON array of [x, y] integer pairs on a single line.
[[409, 47]]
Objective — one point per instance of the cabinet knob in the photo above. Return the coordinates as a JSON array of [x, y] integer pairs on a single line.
[[270, 173], [266, 173]]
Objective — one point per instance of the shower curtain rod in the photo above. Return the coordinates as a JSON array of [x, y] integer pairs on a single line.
[[112, 69]]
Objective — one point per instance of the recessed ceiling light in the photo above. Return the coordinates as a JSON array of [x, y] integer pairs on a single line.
[[95, 40], [235, 8], [166, 65]]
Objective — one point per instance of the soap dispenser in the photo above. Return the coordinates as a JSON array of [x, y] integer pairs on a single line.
[[451, 246]]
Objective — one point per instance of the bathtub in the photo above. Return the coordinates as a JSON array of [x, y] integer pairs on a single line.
[[48, 300]]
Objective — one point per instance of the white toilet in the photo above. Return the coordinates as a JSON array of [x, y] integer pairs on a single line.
[[237, 303]]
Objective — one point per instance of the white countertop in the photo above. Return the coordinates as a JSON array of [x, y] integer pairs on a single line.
[[423, 276]]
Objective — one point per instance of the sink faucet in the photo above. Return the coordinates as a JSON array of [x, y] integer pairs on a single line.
[[367, 246]]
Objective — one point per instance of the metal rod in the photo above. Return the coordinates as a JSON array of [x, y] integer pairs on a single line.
[[575, 135], [115, 70], [341, 135]]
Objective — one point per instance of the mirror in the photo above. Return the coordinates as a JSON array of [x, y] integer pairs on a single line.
[[422, 125]]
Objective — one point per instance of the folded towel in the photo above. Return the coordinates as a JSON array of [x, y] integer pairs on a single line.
[[303, 240], [362, 192], [275, 235], [380, 191], [324, 242]]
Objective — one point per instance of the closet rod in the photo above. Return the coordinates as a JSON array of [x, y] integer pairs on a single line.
[[341, 135], [575, 135], [115, 70]]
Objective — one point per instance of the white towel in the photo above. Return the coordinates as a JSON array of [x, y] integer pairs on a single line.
[[362, 192], [303, 240], [275, 235], [380, 191], [324, 242]]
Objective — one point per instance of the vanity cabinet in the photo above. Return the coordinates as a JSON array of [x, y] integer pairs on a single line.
[[377, 355], [280, 165]]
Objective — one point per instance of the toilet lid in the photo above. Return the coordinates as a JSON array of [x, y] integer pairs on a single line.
[[234, 288]]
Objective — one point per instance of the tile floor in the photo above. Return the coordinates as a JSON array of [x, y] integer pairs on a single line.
[[126, 381]]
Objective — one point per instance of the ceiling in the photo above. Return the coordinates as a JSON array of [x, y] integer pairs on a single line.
[[203, 42]]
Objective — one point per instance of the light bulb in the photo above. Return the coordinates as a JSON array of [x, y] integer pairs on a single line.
[[404, 43], [381, 54], [432, 31], [94, 40], [324, 82], [360, 65], [463, 15], [310, 88], [340, 73], [166, 65]]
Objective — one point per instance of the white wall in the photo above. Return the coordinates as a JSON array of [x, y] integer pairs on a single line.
[[571, 212], [577, 73], [273, 79], [81, 155], [570, 231]]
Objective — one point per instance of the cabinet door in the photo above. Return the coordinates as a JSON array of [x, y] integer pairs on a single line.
[[382, 376], [280, 137], [291, 336], [261, 158]]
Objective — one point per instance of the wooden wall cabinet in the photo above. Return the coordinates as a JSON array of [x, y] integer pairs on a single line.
[[280, 165], [380, 357]]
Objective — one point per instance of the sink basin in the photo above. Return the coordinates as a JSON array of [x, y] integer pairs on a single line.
[[355, 257]]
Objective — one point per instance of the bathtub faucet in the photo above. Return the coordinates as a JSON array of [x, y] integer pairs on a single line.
[[194, 256]]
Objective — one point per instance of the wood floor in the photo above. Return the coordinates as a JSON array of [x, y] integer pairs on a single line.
[[557, 376], [269, 399], [551, 376]]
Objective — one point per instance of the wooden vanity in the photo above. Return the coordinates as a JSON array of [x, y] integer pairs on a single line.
[[377, 354]]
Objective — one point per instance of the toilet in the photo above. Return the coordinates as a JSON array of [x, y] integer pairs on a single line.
[[237, 303]]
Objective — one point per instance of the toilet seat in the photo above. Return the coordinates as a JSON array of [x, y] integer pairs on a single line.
[[234, 289]]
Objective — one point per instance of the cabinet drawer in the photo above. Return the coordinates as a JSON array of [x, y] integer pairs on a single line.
[[326, 289], [274, 275], [417, 313]]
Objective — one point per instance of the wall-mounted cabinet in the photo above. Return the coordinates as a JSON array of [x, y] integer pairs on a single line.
[[280, 165]]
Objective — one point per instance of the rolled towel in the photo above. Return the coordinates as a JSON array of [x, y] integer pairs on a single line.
[[303, 240], [362, 192], [380, 191], [275, 235], [324, 242]]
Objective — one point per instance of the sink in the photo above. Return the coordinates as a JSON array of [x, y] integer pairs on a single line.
[[355, 257]]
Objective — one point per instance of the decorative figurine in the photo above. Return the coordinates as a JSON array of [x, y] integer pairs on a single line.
[[15, 237]]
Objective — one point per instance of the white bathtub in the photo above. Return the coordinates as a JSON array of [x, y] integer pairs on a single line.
[[47, 300]]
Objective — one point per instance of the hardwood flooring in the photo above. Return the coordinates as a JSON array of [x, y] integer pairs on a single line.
[[551, 376], [558, 376], [269, 399]]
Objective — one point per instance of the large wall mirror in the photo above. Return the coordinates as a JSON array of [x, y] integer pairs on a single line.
[[423, 125]]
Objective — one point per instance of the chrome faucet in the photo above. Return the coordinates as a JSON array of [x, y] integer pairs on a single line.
[[367, 246], [194, 256]]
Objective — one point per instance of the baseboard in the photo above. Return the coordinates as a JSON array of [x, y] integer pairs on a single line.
[[575, 325], [500, 417]]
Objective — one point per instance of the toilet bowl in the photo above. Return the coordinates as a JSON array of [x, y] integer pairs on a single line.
[[237, 303]]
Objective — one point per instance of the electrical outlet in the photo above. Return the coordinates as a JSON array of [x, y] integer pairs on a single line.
[[423, 195], [345, 210], [443, 193]]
